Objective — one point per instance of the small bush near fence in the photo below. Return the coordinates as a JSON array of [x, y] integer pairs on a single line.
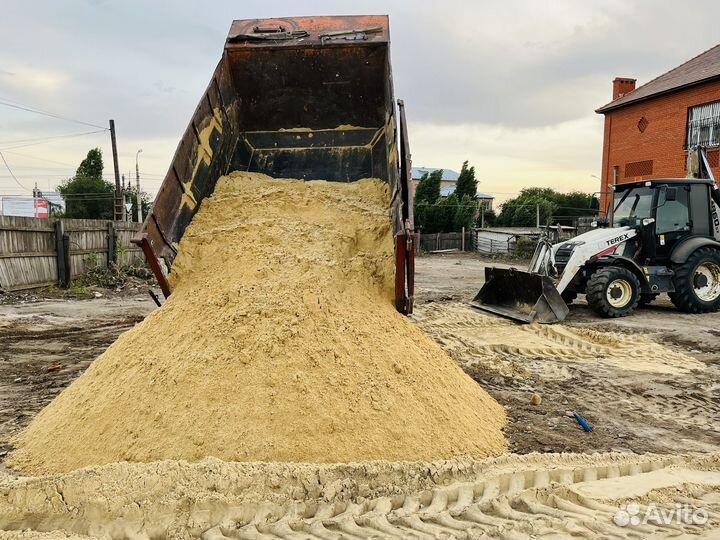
[[524, 247], [31, 249]]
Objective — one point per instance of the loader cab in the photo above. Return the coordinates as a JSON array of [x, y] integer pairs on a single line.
[[665, 211]]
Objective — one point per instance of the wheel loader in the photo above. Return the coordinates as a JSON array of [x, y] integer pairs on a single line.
[[662, 236]]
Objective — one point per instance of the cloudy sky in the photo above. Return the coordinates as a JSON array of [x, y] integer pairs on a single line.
[[510, 86]]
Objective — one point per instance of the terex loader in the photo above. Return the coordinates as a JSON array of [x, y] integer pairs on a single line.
[[663, 236]]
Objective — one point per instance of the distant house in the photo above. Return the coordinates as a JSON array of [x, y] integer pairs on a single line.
[[449, 177], [448, 183]]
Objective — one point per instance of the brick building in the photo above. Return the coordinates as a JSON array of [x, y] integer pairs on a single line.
[[648, 129]]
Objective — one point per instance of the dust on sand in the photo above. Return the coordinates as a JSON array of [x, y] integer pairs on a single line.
[[533, 496], [280, 342]]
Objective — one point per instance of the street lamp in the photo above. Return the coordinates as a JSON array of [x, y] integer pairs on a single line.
[[138, 202]]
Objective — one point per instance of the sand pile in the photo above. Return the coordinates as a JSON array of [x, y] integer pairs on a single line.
[[280, 342]]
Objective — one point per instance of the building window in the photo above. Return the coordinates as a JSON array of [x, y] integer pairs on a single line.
[[704, 125]]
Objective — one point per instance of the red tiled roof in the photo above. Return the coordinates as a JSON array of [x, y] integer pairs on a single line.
[[703, 67]]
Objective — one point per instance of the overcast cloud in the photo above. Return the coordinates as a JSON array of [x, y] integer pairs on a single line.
[[510, 86]]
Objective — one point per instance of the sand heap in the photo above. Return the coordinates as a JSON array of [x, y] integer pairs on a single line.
[[280, 342]]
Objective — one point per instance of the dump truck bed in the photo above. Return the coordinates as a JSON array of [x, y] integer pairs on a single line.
[[302, 97]]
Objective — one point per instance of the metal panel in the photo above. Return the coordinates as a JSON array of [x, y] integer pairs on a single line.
[[336, 76]]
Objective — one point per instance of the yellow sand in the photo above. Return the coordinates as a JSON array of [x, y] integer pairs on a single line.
[[280, 342]]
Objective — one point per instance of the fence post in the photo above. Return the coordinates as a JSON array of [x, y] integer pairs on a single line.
[[111, 244], [462, 241], [62, 246], [437, 242]]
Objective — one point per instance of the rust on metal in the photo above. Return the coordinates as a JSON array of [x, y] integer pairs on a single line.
[[144, 243], [401, 303]]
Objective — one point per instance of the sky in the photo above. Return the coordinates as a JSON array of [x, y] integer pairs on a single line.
[[510, 86]]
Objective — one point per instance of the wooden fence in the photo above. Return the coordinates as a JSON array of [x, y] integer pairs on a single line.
[[445, 241], [32, 250]]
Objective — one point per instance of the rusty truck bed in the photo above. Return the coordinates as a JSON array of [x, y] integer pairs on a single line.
[[302, 97]]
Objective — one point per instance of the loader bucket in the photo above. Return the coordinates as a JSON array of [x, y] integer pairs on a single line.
[[521, 296]]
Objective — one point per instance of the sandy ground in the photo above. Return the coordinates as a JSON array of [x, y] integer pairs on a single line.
[[665, 403], [653, 402], [513, 497]]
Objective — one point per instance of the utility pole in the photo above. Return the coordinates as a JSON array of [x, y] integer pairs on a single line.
[[124, 210], [537, 215], [137, 187], [118, 193]]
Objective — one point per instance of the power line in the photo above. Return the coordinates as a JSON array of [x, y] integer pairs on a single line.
[[47, 139], [51, 115], [40, 159], [11, 173]]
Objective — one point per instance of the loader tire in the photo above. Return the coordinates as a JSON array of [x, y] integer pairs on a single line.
[[697, 282], [613, 291], [569, 296]]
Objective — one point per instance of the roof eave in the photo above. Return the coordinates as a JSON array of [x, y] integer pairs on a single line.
[[612, 106]]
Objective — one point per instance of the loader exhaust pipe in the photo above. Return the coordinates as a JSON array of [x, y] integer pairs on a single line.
[[521, 296]]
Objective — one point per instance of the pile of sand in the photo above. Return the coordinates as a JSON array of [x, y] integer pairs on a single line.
[[280, 342]]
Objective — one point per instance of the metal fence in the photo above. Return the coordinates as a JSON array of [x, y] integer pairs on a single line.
[[38, 252]]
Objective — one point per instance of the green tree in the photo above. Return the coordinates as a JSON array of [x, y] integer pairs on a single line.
[[466, 183], [555, 207], [436, 214], [465, 212], [87, 195], [486, 218], [428, 189]]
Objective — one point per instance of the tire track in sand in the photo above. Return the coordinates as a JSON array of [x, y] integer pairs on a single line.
[[514, 497], [472, 337]]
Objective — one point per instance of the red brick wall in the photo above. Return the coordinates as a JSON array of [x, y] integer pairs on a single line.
[[662, 142]]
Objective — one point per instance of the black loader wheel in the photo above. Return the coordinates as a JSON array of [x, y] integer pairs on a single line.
[[569, 296], [613, 291], [647, 298], [697, 282]]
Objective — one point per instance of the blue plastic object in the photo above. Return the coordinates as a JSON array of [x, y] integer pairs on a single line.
[[582, 422]]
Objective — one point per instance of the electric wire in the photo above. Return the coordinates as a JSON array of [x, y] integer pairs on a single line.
[[51, 115], [48, 139], [11, 173]]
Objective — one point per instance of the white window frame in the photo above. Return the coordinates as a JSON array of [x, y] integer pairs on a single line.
[[704, 125]]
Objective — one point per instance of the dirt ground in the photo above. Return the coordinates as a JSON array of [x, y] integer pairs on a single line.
[[46, 343], [629, 409]]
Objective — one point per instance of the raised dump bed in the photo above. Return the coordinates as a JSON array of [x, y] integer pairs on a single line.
[[301, 97]]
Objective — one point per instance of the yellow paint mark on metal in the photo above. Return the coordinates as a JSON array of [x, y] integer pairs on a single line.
[[204, 155]]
